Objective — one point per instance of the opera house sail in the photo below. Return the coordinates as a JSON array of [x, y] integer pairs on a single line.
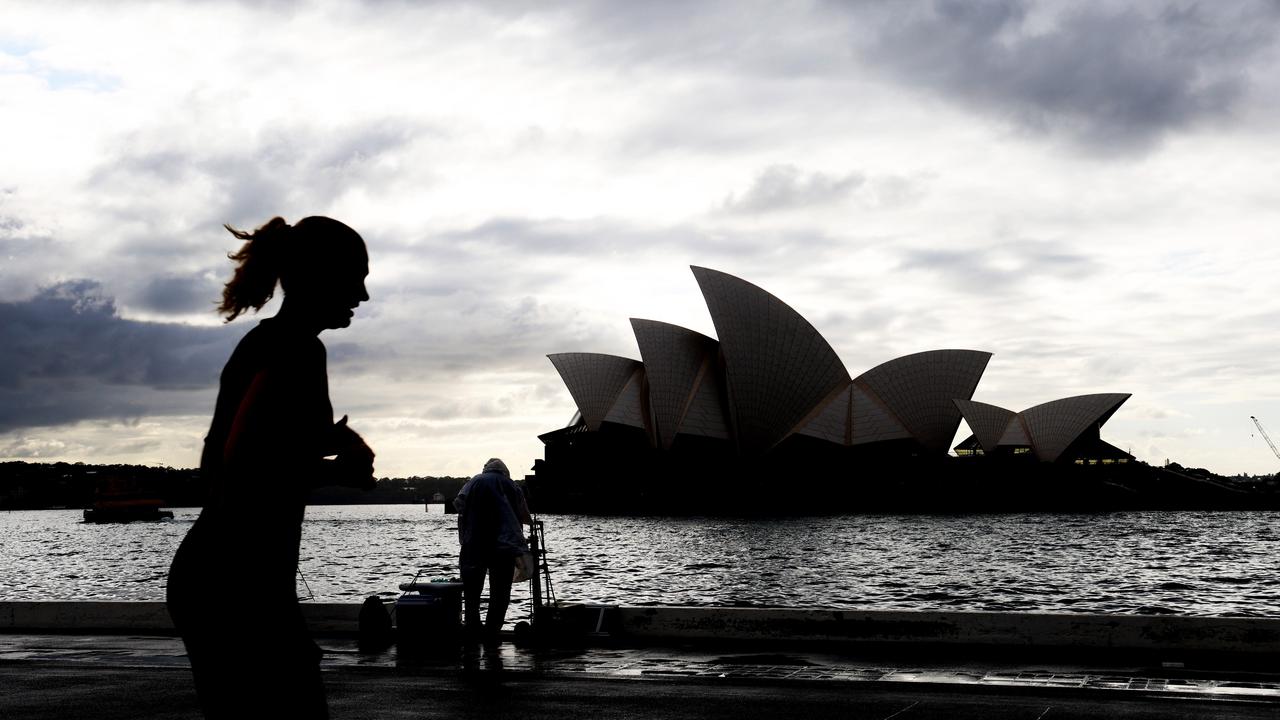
[[1053, 431], [766, 415]]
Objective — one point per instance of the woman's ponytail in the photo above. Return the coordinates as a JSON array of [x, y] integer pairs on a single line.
[[259, 263]]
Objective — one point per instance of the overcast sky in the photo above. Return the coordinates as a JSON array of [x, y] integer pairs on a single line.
[[1089, 190]]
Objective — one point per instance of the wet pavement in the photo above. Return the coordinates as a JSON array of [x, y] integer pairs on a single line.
[[146, 676]]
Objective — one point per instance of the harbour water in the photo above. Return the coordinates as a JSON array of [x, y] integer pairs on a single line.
[[1190, 563]]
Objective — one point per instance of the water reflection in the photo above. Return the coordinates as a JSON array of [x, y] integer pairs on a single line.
[[1184, 563]]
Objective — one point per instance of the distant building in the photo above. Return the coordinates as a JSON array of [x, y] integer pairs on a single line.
[[771, 395]]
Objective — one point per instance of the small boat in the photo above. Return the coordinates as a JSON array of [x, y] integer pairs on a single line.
[[126, 513], [121, 500]]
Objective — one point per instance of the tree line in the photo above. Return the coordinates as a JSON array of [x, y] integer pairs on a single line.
[[38, 486]]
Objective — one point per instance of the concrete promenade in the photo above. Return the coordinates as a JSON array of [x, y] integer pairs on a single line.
[[131, 676], [142, 673], [1159, 638]]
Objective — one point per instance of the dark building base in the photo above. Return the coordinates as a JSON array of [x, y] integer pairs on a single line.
[[618, 473]]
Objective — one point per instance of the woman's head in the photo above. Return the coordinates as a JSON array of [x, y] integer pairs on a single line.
[[319, 262]]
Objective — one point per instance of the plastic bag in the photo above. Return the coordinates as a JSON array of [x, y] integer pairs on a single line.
[[525, 568]]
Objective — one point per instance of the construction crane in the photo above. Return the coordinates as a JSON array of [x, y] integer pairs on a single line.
[[1265, 436]]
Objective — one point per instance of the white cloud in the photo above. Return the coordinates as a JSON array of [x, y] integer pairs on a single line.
[[530, 177]]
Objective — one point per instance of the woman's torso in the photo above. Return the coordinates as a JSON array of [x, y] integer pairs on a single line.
[[273, 407]]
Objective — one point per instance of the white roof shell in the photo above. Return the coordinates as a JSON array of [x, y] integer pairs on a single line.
[[919, 390], [595, 380], [678, 363], [778, 367], [988, 422], [1054, 425]]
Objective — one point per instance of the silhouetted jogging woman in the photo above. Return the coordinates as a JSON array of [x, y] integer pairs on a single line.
[[231, 590]]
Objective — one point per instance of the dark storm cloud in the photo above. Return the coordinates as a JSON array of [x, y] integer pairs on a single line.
[[177, 294], [65, 355], [1112, 78], [782, 187]]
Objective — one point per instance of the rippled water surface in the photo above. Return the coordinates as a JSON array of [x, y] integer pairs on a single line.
[[1141, 562]]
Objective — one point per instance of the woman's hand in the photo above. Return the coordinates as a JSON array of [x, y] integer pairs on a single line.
[[353, 465]]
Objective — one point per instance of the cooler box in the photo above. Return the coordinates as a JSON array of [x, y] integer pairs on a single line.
[[431, 620]]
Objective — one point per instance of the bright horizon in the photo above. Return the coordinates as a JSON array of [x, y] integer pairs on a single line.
[[1086, 191]]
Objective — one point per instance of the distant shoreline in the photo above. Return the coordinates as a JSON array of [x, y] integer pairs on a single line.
[[76, 486]]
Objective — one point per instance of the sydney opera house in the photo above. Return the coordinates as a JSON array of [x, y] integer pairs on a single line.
[[766, 414]]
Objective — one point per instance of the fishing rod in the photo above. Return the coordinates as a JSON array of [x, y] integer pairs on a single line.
[[303, 578]]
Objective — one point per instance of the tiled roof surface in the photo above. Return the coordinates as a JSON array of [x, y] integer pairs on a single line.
[[676, 359], [919, 389], [628, 408], [872, 421], [1056, 424], [708, 411], [778, 366], [1015, 434], [832, 421], [594, 380], [988, 422]]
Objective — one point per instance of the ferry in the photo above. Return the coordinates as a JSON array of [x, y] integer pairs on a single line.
[[121, 500]]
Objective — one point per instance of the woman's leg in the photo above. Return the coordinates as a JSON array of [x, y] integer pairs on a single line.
[[194, 610]]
